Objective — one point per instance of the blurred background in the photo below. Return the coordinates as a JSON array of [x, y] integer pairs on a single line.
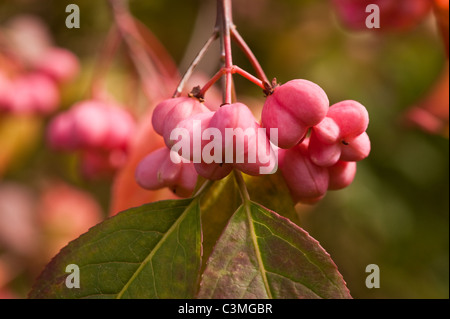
[[394, 215]]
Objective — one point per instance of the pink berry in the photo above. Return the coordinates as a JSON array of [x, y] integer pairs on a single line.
[[157, 171], [341, 135], [293, 108], [213, 171], [194, 126], [95, 165], [59, 64], [356, 149], [260, 158], [342, 175], [307, 182], [350, 116]]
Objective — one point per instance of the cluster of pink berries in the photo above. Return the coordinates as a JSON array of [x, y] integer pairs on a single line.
[[101, 131], [317, 145], [35, 89], [179, 171]]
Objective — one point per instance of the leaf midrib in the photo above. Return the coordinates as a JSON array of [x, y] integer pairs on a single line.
[[254, 238], [150, 256]]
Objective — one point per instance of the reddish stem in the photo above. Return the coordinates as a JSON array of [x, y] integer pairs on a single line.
[[137, 50], [194, 64], [224, 25]]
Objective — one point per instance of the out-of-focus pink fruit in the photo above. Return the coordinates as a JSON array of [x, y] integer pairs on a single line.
[[213, 171], [194, 126], [59, 64], [235, 118], [91, 124], [18, 229], [64, 214], [34, 93], [60, 133], [293, 108], [397, 15]]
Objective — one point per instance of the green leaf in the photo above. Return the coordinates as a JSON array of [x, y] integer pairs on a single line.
[[217, 207], [153, 251], [263, 255]]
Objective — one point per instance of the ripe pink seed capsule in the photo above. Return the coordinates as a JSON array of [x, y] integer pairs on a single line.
[[34, 93], [213, 171], [238, 128], [147, 172], [169, 113], [341, 135], [194, 126], [59, 64], [356, 149], [293, 108], [351, 117], [306, 181], [342, 175]]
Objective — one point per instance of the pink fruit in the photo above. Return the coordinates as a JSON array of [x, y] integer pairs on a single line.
[[157, 170], [342, 175], [121, 127], [356, 149], [34, 93], [341, 135], [293, 108], [235, 119], [59, 64], [307, 182], [213, 171], [194, 127]]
